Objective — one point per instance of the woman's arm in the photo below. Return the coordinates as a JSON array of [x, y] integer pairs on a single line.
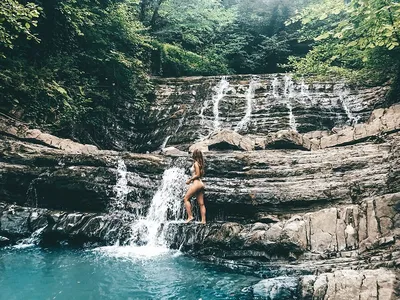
[[197, 174]]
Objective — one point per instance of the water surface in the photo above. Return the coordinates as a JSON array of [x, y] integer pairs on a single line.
[[114, 273]]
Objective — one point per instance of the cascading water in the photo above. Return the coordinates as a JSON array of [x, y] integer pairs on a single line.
[[164, 144], [121, 189], [180, 123], [288, 92], [167, 202], [275, 87], [201, 114], [220, 91], [304, 93], [243, 124], [343, 92], [147, 236], [32, 240]]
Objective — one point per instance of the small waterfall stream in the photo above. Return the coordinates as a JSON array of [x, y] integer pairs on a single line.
[[31, 241], [275, 87], [121, 189], [220, 92], [343, 92], [289, 92], [243, 124], [147, 232]]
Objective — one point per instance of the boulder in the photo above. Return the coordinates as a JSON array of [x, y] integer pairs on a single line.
[[173, 152], [224, 140], [4, 241], [289, 139], [278, 288]]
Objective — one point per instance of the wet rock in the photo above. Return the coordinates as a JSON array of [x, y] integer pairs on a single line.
[[352, 284], [4, 241], [241, 185], [57, 226], [14, 222], [224, 140], [325, 232], [278, 288], [266, 218]]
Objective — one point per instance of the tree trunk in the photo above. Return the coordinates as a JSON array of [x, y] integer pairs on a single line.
[[155, 14]]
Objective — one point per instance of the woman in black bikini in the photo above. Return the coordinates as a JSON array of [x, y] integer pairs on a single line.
[[197, 188]]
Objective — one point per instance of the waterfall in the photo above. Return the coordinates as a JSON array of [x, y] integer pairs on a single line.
[[32, 240], [220, 91], [288, 92], [121, 189], [201, 115], [304, 89], [164, 144], [180, 123], [275, 87], [243, 124], [166, 203], [343, 93], [147, 236]]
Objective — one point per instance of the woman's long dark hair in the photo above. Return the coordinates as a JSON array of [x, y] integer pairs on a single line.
[[198, 157]]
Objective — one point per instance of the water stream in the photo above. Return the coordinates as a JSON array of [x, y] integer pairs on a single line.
[[343, 92], [147, 232], [220, 91], [289, 93], [244, 122], [121, 189]]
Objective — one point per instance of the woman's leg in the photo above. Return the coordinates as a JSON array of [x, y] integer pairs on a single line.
[[191, 191], [200, 200]]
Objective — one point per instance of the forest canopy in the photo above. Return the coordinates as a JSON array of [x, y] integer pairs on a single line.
[[74, 66]]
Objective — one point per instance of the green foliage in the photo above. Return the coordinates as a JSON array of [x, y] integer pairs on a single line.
[[192, 24], [176, 61], [17, 19], [91, 63], [359, 40]]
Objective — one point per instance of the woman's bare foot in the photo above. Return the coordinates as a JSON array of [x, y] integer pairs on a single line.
[[203, 222], [189, 220]]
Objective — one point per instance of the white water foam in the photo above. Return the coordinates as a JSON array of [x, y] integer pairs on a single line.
[[289, 93], [164, 144], [220, 91], [275, 87], [121, 189], [147, 234], [343, 92], [31, 241], [244, 122]]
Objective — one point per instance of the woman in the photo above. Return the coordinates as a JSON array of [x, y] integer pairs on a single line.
[[197, 188]]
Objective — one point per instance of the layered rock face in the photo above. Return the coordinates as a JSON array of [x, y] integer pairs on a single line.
[[314, 211], [188, 109]]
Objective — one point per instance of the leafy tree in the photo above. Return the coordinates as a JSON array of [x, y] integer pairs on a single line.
[[16, 19], [358, 40], [90, 66]]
